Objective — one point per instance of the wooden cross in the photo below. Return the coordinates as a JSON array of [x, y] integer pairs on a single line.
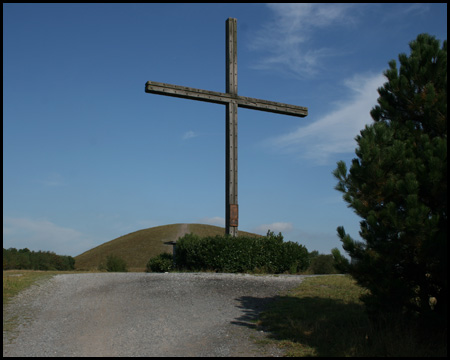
[[232, 101]]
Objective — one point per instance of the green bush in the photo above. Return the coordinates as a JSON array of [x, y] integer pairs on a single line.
[[322, 264], [115, 264], [161, 263], [341, 264], [240, 254]]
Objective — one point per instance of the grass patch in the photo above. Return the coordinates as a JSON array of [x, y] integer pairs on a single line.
[[15, 281], [324, 317]]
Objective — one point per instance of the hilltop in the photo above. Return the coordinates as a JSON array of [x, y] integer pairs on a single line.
[[138, 247]]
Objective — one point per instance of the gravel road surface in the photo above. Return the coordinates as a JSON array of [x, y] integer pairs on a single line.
[[143, 314]]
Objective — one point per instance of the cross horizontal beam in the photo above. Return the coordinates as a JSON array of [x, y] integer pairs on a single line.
[[185, 92]]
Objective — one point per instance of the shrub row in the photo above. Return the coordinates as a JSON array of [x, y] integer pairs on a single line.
[[267, 254]]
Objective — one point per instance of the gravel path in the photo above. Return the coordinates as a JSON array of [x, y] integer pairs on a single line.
[[143, 314]]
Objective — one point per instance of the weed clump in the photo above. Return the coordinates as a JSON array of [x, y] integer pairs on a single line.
[[115, 264], [161, 263]]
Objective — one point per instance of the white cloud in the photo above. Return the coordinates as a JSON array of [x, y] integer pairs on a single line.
[[189, 135], [335, 132], [43, 235], [287, 37], [276, 227]]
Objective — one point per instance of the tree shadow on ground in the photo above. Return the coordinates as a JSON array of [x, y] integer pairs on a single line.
[[251, 308], [326, 327]]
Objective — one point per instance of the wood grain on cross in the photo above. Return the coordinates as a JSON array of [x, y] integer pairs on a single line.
[[232, 101]]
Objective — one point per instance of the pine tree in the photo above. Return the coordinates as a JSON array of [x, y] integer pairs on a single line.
[[398, 186]]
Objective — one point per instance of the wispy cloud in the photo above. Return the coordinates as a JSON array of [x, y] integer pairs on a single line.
[[43, 235], [275, 227], [335, 131], [398, 12], [189, 135], [287, 39], [415, 8]]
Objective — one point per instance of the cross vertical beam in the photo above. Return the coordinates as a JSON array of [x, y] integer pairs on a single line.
[[232, 101], [231, 142]]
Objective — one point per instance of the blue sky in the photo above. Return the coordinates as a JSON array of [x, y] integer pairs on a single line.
[[88, 156]]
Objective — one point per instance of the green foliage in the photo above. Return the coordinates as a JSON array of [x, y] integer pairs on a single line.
[[313, 254], [240, 254], [31, 260], [115, 264], [333, 263], [340, 263], [322, 264], [398, 186], [161, 263]]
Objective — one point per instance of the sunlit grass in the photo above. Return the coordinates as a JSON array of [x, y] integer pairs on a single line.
[[15, 281]]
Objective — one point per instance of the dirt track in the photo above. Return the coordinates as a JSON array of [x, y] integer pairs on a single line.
[[139, 314]]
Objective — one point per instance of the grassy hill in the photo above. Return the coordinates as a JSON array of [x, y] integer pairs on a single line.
[[138, 247]]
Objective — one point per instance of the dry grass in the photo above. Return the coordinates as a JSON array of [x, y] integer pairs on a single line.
[[15, 281]]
